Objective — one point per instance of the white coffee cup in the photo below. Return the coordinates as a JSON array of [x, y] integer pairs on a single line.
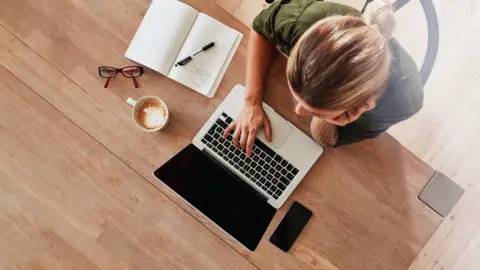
[[137, 105]]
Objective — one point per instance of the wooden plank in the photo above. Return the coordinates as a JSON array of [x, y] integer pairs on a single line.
[[68, 203], [230, 5], [363, 196], [470, 257], [247, 10]]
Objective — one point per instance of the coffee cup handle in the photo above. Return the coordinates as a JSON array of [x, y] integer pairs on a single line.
[[131, 102]]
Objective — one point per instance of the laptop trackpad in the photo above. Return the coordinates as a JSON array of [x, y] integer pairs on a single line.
[[281, 129]]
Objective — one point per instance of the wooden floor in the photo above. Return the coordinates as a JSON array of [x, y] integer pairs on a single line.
[[446, 133]]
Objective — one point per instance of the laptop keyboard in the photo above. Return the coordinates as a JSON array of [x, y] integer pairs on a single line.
[[266, 169]]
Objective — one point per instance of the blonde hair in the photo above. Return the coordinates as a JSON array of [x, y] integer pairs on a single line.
[[379, 14], [343, 61]]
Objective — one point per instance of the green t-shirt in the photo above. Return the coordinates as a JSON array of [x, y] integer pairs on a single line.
[[284, 21]]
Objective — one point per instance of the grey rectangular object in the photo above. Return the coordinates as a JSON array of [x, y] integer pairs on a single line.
[[441, 194]]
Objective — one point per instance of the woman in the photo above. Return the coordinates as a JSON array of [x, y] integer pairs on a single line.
[[343, 70]]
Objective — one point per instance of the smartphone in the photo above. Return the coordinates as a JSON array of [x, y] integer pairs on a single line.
[[290, 227]]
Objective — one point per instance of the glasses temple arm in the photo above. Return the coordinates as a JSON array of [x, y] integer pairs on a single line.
[[135, 83], [106, 83]]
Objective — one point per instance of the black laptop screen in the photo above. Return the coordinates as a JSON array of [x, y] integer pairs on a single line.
[[219, 194]]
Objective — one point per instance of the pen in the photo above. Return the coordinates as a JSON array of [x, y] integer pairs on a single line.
[[190, 58]]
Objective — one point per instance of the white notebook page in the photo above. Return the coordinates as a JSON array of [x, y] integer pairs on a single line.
[[201, 73], [161, 34]]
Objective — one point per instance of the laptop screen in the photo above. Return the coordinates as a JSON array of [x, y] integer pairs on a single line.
[[219, 194]]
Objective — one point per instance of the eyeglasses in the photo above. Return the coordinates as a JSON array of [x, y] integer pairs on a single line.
[[129, 72]]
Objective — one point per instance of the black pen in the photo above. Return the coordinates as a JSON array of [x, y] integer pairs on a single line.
[[190, 58]]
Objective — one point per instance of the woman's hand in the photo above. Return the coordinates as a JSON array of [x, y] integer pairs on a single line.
[[259, 58], [351, 115], [248, 123]]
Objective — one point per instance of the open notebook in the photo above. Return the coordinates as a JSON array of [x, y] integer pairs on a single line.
[[171, 31]]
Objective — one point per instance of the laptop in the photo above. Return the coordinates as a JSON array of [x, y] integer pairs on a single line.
[[237, 193]]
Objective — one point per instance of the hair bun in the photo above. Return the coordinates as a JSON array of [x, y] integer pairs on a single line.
[[379, 14]]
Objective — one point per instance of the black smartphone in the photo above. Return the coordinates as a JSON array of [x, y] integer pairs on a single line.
[[290, 227]]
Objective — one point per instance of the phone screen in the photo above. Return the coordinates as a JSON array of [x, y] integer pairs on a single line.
[[290, 227]]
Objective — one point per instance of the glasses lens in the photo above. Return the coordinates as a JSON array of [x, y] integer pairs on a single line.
[[132, 72], [107, 72]]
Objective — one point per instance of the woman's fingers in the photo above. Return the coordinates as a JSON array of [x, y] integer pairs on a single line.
[[236, 137], [355, 113], [351, 115], [347, 118], [370, 105], [243, 139], [340, 120], [231, 127], [250, 142], [267, 128]]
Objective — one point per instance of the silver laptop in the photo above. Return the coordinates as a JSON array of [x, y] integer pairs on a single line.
[[275, 168]]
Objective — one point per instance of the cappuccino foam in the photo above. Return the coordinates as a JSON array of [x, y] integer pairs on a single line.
[[152, 115]]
